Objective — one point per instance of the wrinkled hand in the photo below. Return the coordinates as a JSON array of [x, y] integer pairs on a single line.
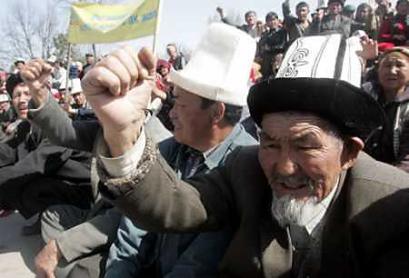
[[119, 91], [35, 74], [47, 259]]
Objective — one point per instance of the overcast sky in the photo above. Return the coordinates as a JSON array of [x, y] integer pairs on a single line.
[[183, 21]]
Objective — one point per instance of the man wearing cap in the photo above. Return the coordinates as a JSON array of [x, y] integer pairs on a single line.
[[349, 11], [79, 109], [306, 203], [333, 22], [206, 131], [206, 110]]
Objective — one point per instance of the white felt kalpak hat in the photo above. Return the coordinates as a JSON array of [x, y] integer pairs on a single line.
[[320, 75], [328, 56], [75, 86], [220, 66], [4, 97]]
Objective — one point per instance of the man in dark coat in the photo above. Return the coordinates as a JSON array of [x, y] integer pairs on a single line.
[[333, 22], [306, 203]]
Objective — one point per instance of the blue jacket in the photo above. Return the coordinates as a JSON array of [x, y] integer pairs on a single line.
[[175, 255]]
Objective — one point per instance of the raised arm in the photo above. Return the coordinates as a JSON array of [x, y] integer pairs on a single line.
[[49, 116]]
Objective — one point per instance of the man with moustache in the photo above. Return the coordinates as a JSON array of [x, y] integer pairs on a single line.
[[306, 203]]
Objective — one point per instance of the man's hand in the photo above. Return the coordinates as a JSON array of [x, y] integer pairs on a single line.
[[47, 259], [35, 74], [119, 91]]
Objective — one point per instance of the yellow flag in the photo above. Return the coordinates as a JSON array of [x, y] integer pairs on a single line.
[[101, 23]]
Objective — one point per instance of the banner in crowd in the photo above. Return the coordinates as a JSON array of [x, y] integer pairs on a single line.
[[103, 23]]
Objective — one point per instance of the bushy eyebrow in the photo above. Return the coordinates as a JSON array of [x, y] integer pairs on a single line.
[[305, 137], [263, 135]]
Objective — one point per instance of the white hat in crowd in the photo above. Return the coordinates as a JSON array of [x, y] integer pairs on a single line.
[[328, 56], [52, 59], [4, 97], [75, 86], [220, 66]]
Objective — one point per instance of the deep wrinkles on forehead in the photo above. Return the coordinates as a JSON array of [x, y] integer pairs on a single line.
[[302, 122]]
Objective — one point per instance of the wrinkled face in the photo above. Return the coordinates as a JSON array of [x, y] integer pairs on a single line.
[[251, 19], [402, 8], [4, 106], [79, 99], [272, 23], [21, 97], [334, 8], [299, 155], [172, 52], [393, 72], [302, 13], [192, 123]]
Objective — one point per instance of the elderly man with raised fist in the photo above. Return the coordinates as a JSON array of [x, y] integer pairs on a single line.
[[308, 202], [118, 85]]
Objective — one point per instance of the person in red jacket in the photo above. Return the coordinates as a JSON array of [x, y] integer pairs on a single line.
[[395, 30]]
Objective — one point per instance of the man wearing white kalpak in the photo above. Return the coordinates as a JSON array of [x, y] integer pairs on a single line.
[[308, 202]]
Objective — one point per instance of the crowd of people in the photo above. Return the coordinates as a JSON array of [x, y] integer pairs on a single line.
[[279, 149]]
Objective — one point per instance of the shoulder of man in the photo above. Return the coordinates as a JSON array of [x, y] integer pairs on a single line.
[[370, 181], [243, 156], [377, 205], [168, 148]]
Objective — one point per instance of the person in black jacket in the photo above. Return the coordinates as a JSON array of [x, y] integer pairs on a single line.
[[272, 43], [35, 174], [333, 22]]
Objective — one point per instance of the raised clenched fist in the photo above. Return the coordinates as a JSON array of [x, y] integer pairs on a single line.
[[119, 90], [35, 74]]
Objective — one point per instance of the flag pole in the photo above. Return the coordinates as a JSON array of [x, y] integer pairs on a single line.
[[67, 75], [94, 52], [154, 46]]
